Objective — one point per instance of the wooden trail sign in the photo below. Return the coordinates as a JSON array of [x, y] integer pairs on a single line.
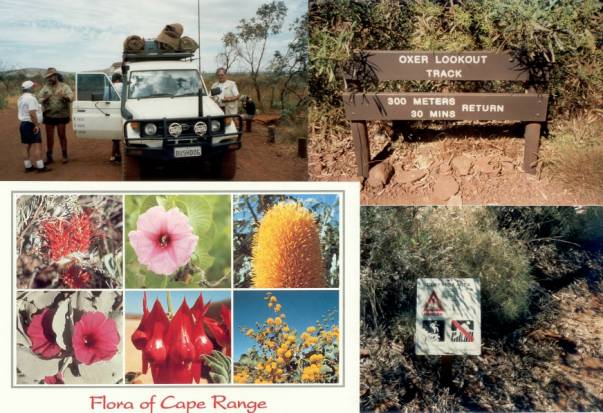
[[413, 65], [446, 106], [448, 318], [361, 107]]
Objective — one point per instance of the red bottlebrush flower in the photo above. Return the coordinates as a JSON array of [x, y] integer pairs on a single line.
[[76, 277], [67, 236], [41, 335], [56, 379], [95, 338]]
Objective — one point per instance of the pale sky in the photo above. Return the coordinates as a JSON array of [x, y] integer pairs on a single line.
[[78, 35]]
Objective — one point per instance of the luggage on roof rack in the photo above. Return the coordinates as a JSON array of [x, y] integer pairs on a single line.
[[152, 51], [169, 45]]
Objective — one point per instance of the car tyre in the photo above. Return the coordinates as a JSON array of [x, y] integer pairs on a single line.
[[130, 165], [225, 166]]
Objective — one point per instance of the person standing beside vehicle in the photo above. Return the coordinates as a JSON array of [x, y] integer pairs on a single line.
[[117, 81], [56, 97], [228, 99], [30, 114]]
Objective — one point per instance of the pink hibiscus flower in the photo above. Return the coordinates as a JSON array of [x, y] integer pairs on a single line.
[[95, 338], [41, 335], [163, 241]]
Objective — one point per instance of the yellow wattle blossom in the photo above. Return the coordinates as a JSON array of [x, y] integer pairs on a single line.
[[285, 357], [277, 308], [241, 377], [311, 373], [286, 249], [316, 358]]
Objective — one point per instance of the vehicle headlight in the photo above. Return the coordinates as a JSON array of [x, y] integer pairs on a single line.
[[175, 129], [150, 129], [200, 128], [215, 125]]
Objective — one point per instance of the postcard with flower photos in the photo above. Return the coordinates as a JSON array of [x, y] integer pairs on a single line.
[[219, 297]]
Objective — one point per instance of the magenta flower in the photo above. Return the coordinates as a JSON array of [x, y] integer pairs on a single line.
[[56, 379], [163, 241], [95, 338], [43, 338]]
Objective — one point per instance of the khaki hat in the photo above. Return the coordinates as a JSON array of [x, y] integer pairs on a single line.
[[50, 72]]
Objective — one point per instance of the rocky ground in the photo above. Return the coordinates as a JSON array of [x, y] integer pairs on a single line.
[[458, 164]]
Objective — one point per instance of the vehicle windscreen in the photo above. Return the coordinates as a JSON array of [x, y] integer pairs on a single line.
[[163, 83]]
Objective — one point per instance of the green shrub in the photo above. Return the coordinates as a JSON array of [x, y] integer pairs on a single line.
[[476, 249], [560, 41], [400, 245]]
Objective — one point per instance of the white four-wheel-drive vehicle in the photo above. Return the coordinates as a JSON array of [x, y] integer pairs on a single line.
[[165, 114]]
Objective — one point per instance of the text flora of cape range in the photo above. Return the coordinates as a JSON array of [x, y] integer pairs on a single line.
[[217, 402]]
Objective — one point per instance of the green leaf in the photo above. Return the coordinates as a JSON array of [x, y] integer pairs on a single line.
[[219, 367], [162, 201], [181, 206], [148, 202], [200, 213], [154, 280], [202, 258]]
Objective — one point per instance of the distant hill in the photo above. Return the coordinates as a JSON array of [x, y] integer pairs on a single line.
[[30, 72]]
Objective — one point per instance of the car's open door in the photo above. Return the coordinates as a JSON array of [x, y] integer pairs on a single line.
[[97, 107]]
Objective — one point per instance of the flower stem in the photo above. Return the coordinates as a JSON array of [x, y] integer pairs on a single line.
[[169, 302]]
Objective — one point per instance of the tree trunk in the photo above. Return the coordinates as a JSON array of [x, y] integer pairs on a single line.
[[258, 92]]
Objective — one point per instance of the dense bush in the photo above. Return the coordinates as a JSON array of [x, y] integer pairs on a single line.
[[509, 249], [560, 41]]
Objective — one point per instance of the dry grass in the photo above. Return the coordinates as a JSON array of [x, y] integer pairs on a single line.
[[574, 155]]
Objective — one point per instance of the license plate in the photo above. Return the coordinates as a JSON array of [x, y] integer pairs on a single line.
[[187, 152]]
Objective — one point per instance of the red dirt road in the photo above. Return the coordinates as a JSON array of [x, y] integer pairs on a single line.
[[89, 159]]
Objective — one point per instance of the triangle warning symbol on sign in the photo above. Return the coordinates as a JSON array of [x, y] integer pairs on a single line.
[[433, 306]]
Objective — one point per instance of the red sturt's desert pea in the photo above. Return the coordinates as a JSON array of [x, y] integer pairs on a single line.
[[173, 349]]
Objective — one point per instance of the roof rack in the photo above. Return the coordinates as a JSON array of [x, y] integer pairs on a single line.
[[153, 52], [146, 56]]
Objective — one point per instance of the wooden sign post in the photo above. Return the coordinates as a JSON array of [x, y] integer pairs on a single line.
[[361, 107]]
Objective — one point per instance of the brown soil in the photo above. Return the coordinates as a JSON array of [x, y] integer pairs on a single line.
[[89, 159], [458, 165], [551, 364]]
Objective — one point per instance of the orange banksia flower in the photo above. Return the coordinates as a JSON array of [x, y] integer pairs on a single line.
[[286, 249]]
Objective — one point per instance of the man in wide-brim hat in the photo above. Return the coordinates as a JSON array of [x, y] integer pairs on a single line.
[[56, 97]]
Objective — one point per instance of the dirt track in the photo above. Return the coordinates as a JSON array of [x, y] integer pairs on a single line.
[[426, 172], [89, 159]]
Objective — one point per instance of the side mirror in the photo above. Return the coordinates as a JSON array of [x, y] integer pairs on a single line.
[[215, 91]]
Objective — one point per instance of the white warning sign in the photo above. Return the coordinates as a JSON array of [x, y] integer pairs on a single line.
[[448, 316]]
